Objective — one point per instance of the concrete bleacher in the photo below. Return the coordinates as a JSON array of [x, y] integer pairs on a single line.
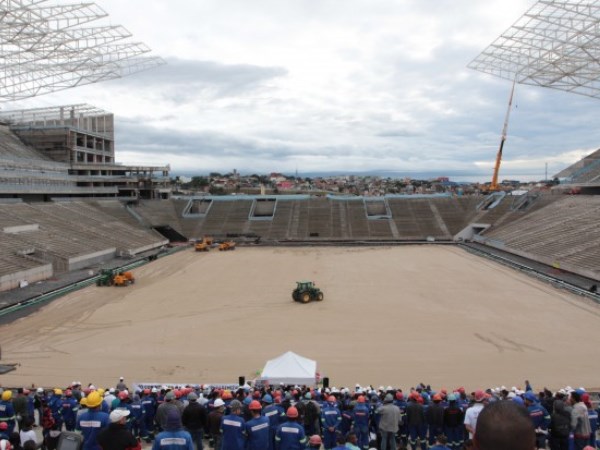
[[12, 148], [357, 223], [456, 213], [73, 235], [319, 218], [416, 219], [116, 210], [17, 266], [158, 213], [564, 233], [127, 238], [282, 220]]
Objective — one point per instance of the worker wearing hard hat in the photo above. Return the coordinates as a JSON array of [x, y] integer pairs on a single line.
[[55, 405], [290, 435], [92, 421], [233, 428], [257, 428], [7, 412]]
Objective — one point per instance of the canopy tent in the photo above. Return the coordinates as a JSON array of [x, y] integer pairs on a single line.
[[290, 368]]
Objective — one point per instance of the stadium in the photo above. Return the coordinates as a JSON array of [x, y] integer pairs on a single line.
[[475, 291]]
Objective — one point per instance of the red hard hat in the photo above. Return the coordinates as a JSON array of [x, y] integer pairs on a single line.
[[147, 391], [256, 394], [399, 395], [292, 412], [3, 426], [437, 398], [177, 393], [361, 399], [123, 395], [331, 398], [254, 405], [315, 439]]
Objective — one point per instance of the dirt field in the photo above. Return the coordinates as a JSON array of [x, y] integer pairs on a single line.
[[391, 316]]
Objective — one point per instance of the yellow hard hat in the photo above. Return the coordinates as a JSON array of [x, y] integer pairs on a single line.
[[58, 391], [83, 401], [94, 399], [6, 395], [100, 391]]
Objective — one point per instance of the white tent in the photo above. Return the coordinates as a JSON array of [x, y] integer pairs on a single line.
[[290, 368]]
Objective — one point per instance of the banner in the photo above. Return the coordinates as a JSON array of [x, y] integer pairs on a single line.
[[138, 386]]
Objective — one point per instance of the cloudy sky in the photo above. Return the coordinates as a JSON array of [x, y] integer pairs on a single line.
[[331, 85]]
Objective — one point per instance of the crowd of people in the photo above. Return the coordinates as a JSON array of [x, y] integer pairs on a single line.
[[298, 418]]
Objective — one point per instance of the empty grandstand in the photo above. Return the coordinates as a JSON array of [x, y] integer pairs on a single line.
[[40, 240], [584, 175]]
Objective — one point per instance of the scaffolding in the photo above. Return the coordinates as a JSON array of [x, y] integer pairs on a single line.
[[46, 48], [555, 44]]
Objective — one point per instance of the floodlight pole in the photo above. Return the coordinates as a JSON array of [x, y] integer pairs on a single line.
[[494, 184]]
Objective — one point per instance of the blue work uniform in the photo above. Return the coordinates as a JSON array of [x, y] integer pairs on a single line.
[[275, 414], [173, 440], [233, 429], [330, 418], [290, 436], [7, 414], [258, 433], [91, 423], [69, 409], [361, 424], [541, 419]]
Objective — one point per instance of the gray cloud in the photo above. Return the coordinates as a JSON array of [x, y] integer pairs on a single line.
[[180, 80]]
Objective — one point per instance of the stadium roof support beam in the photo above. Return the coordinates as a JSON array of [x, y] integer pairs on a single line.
[[47, 48], [555, 44]]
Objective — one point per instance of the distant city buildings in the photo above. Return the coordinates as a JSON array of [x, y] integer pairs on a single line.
[[368, 186]]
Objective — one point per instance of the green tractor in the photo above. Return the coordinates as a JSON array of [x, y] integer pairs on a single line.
[[105, 278], [306, 291]]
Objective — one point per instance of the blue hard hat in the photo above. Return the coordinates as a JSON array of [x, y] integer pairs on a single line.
[[267, 399], [518, 400], [530, 396]]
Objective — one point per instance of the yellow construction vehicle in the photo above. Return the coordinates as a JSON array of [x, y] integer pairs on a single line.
[[108, 277], [201, 246], [204, 244], [227, 245]]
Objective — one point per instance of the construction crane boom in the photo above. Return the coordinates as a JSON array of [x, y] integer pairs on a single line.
[[494, 184]]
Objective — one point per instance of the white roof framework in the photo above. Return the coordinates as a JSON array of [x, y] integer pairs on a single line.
[[555, 44], [49, 47]]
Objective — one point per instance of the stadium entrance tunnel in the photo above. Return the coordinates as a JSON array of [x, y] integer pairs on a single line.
[[171, 234]]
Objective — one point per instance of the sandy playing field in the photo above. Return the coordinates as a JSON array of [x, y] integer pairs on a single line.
[[391, 316]]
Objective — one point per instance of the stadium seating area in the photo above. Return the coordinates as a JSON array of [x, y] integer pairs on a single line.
[[585, 171], [555, 230], [68, 236], [564, 234]]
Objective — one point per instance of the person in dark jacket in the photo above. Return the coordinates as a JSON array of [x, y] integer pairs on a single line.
[[214, 423], [194, 419], [560, 426], [434, 415], [454, 418], [417, 426], [116, 436]]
